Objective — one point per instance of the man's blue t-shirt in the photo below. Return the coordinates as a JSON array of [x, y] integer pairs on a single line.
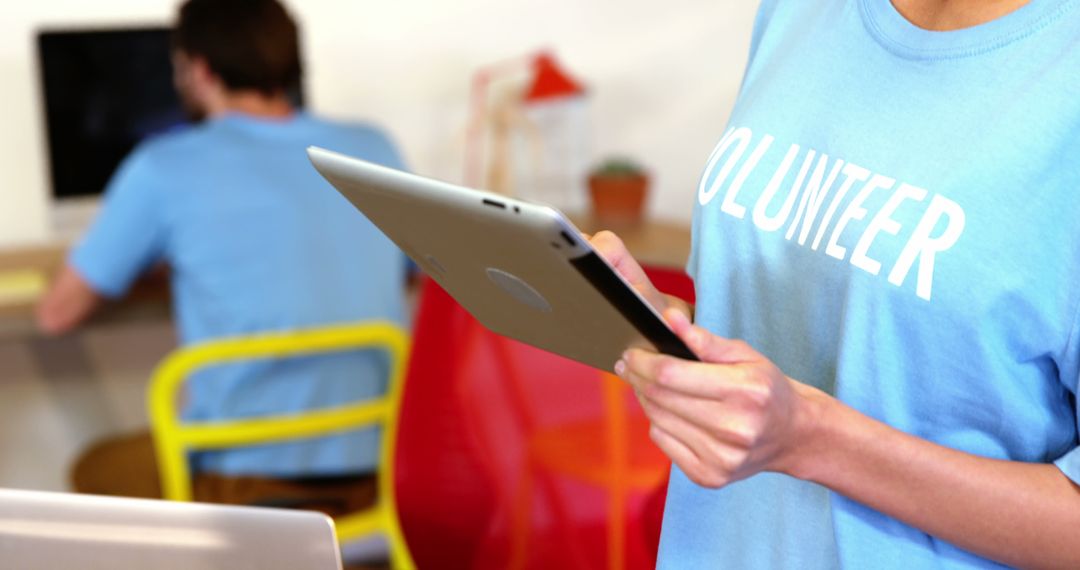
[[891, 216], [256, 241]]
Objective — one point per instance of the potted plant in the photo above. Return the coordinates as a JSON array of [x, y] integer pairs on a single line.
[[618, 187]]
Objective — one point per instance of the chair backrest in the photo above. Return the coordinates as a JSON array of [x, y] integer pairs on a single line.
[[173, 438], [472, 402]]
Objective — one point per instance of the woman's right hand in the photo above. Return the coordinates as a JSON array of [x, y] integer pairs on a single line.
[[611, 248]]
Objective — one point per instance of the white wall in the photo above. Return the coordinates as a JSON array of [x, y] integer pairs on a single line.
[[662, 78]]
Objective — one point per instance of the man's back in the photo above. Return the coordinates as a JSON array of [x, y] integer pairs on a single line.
[[256, 241]]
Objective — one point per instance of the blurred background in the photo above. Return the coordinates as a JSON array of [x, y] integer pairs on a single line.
[[661, 79], [535, 98]]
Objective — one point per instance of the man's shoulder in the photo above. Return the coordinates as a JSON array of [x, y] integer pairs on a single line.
[[179, 141], [351, 128], [358, 138]]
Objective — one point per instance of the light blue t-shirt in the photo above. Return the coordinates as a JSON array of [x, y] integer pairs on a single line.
[[257, 241], [892, 216]]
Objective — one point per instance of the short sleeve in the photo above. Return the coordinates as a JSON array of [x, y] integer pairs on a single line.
[[1070, 465], [394, 158], [379, 147], [1070, 462], [1069, 369], [128, 234]]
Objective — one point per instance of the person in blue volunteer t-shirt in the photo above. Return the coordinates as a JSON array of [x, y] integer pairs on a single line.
[[256, 241], [888, 281]]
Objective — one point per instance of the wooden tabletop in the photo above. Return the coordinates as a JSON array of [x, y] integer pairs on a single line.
[[656, 242], [25, 273]]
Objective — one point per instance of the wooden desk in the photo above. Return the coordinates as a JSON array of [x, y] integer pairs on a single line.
[[26, 272], [62, 393], [656, 242], [24, 277]]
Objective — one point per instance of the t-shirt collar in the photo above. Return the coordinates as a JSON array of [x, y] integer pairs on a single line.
[[893, 31]]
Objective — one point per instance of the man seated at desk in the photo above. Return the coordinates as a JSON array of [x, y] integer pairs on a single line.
[[256, 241]]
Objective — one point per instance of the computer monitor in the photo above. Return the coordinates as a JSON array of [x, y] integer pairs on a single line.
[[104, 90]]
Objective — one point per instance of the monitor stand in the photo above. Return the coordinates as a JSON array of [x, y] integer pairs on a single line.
[[69, 218]]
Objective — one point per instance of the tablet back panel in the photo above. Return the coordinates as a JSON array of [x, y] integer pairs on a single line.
[[520, 268]]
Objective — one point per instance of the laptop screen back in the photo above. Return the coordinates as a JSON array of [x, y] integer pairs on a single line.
[[61, 530]]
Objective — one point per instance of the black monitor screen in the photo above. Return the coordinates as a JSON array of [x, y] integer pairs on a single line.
[[104, 91]]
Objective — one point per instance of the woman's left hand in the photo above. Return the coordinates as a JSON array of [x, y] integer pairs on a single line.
[[730, 416], [736, 414]]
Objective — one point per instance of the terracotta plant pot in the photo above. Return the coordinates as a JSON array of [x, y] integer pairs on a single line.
[[618, 199]]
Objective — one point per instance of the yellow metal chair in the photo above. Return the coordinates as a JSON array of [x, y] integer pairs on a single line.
[[173, 439]]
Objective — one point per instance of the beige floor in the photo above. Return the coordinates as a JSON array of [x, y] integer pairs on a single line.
[[57, 395]]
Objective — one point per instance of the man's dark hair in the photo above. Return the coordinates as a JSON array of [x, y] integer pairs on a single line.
[[250, 44]]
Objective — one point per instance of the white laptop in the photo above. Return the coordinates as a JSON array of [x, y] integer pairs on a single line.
[[63, 530]]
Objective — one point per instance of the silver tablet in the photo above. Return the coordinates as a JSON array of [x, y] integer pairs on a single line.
[[522, 269]]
